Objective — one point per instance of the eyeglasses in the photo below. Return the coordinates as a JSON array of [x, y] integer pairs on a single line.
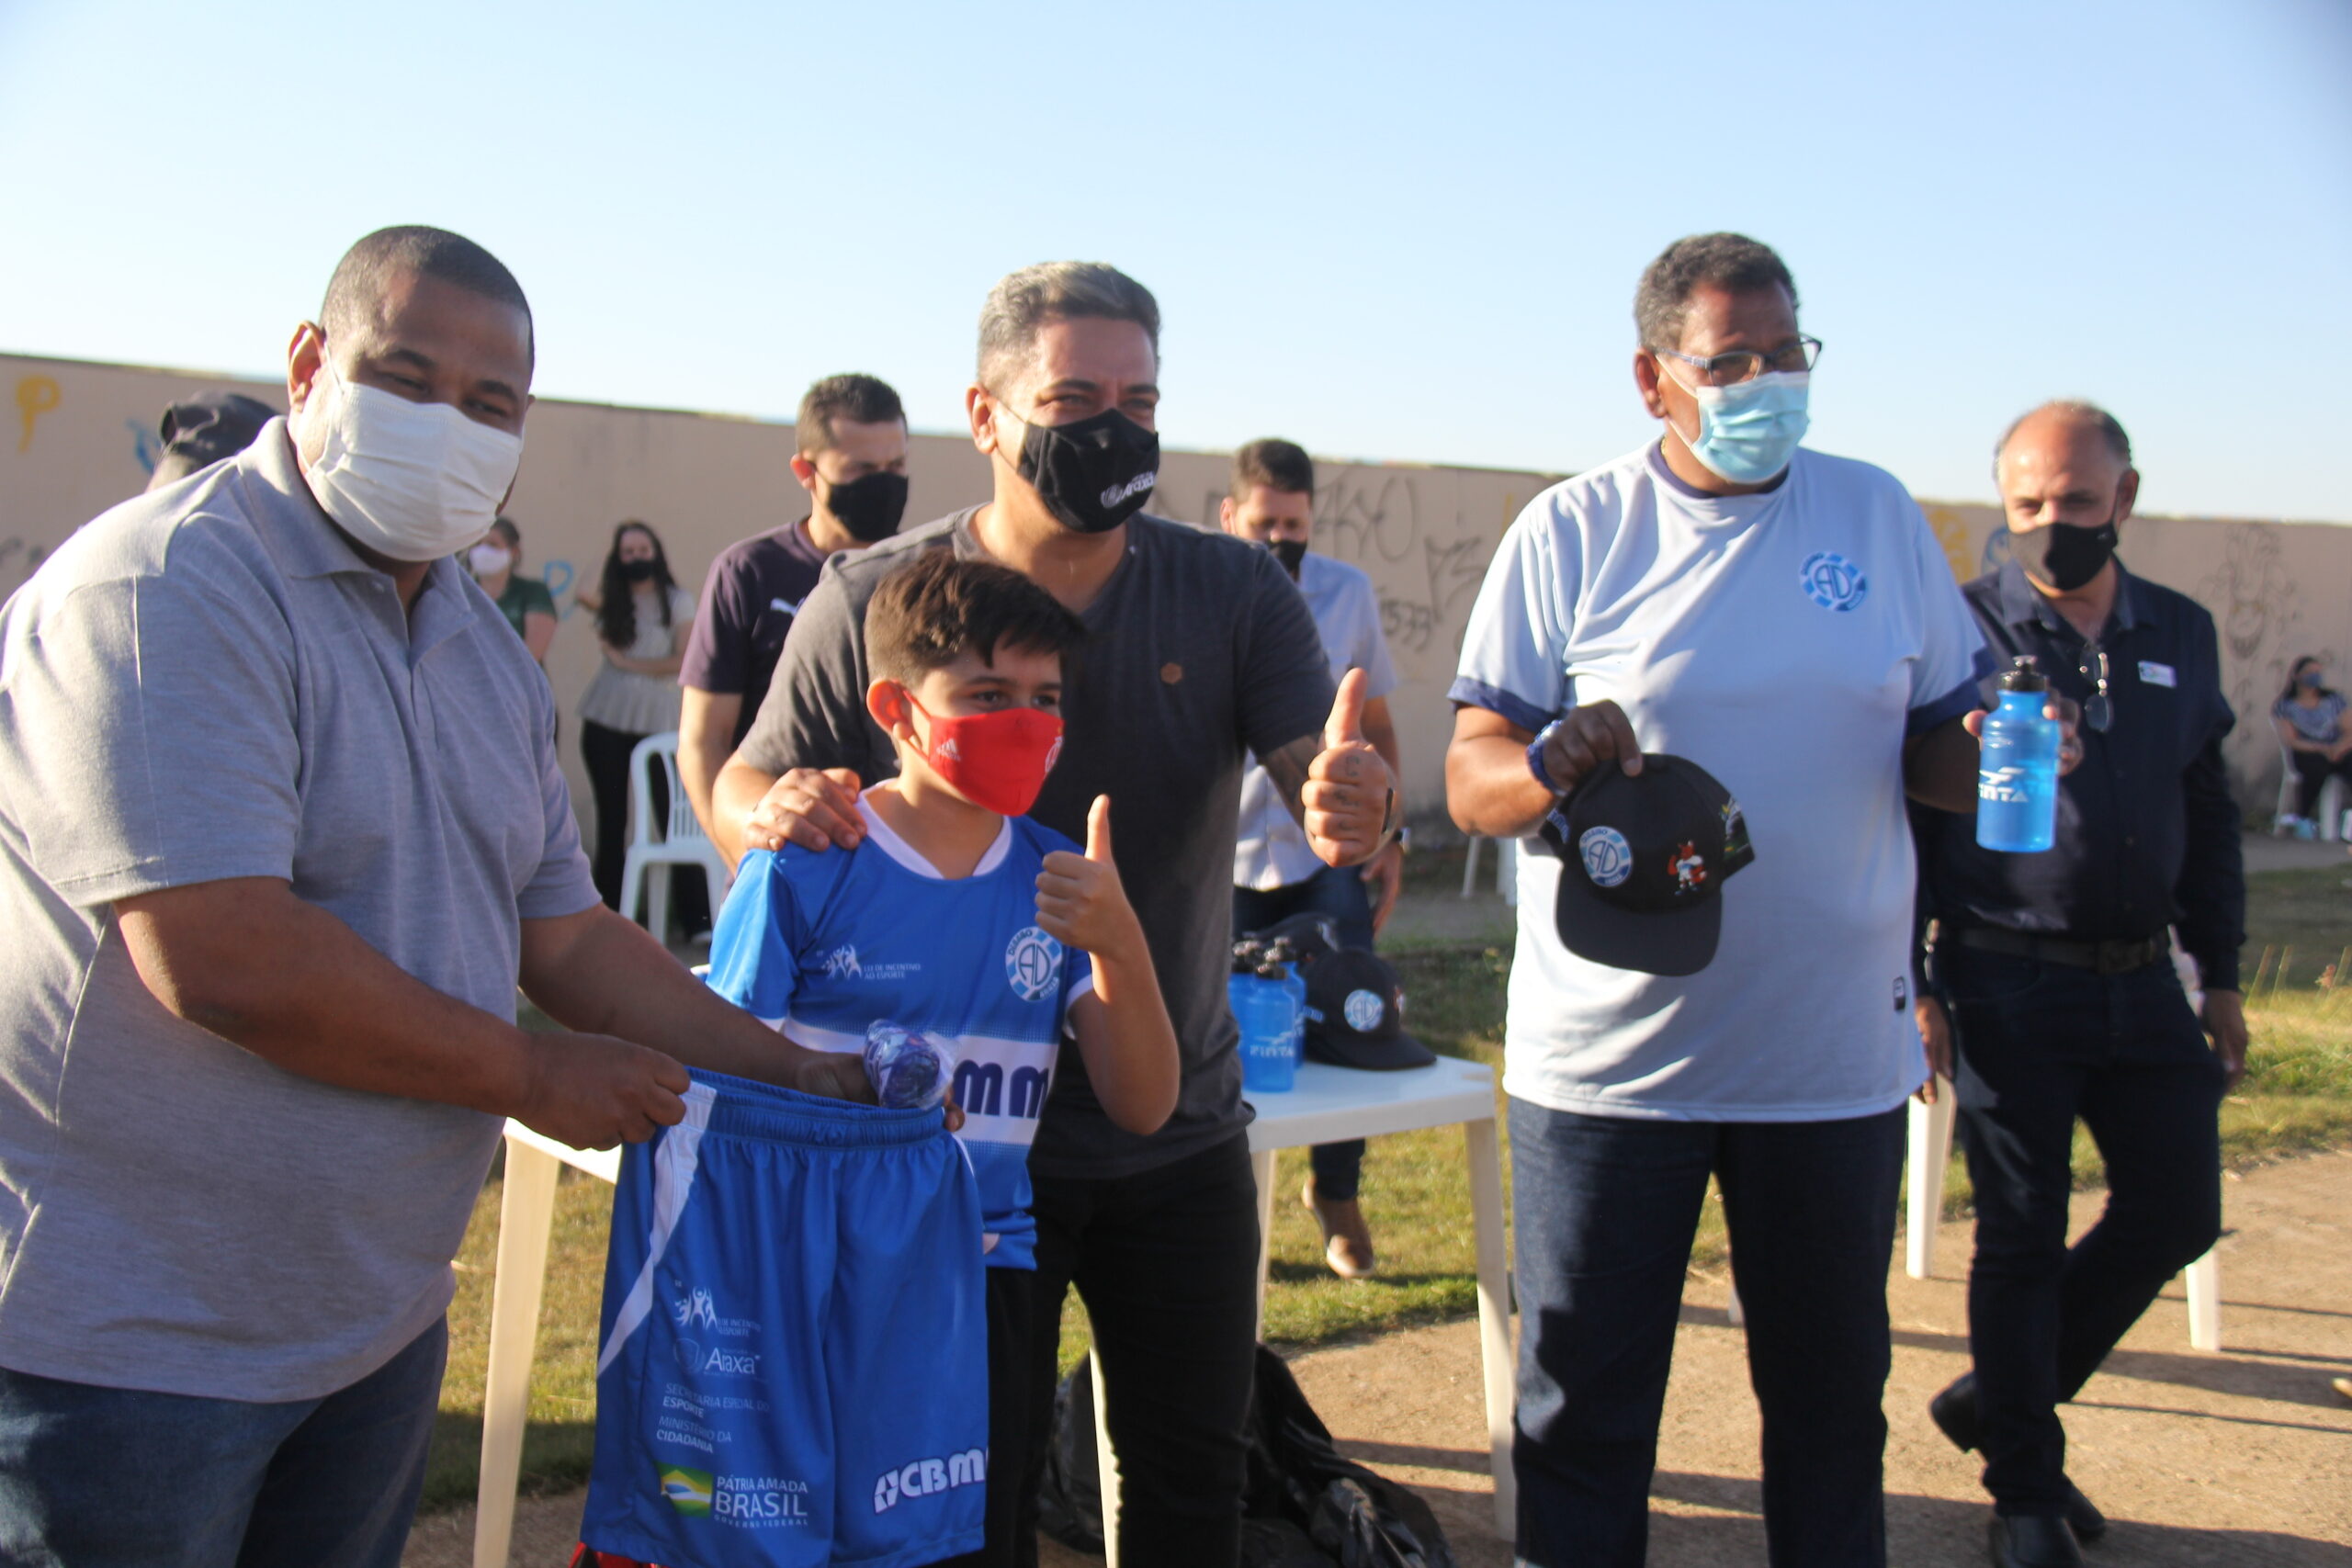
[[2099, 711], [1747, 364]]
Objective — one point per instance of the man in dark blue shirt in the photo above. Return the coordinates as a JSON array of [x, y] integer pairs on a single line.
[[2057, 969]]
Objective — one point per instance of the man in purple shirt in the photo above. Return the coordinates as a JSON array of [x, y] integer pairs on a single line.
[[852, 436]]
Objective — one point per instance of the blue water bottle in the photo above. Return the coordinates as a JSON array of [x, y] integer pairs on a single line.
[[1270, 1026], [2016, 768]]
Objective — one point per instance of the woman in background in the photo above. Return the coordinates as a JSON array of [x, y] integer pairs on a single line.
[[528, 607], [642, 617], [2310, 716]]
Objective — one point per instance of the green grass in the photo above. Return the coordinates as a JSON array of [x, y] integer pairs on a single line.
[[2297, 1097]]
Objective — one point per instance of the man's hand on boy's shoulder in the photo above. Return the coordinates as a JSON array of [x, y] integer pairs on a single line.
[[1081, 901], [815, 808]]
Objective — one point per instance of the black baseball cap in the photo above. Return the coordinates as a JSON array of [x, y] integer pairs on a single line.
[[1644, 861], [199, 431], [1355, 1014]]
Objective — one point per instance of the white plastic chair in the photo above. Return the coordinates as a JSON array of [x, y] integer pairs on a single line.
[[2331, 799], [680, 842], [1506, 868]]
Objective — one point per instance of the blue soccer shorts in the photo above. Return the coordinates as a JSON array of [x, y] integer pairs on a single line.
[[794, 1340]]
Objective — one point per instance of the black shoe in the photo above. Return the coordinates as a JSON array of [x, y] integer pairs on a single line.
[[1954, 1412], [2033, 1540], [2083, 1516]]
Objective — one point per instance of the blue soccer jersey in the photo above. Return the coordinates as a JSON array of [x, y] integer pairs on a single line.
[[822, 944]]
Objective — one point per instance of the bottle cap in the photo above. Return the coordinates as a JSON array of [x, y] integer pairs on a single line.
[[2025, 675]]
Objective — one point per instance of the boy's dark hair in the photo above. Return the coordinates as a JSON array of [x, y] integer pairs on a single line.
[[1276, 464], [936, 607], [860, 399]]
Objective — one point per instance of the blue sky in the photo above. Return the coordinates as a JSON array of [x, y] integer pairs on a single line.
[[1388, 232]]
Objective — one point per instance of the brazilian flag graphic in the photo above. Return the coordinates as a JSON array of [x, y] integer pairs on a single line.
[[688, 1490]]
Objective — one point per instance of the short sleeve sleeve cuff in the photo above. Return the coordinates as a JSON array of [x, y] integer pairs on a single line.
[[1470, 693]]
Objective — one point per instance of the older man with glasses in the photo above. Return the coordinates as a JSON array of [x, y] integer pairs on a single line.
[[1702, 677], [2053, 982]]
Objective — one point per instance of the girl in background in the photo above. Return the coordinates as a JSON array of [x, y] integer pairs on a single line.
[[641, 618]]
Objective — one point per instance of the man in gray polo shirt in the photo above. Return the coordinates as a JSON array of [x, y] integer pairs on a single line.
[[280, 830]]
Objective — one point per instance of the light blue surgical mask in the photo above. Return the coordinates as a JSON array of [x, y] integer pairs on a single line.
[[1748, 430]]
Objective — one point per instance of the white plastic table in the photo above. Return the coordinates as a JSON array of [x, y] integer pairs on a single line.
[[1328, 1104]]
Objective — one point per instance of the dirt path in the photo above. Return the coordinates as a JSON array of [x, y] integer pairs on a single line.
[[2242, 1460]]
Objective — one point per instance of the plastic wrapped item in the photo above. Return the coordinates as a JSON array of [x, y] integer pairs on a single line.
[[909, 1070]]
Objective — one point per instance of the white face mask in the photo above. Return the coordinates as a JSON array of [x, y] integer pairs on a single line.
[[488, 559], [414, 482]]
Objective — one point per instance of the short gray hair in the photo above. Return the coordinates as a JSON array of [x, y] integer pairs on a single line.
[[1733, 263], [1023, 302], [2073, 408]]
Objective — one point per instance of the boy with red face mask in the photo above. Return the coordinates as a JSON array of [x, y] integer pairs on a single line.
[[960, 918]]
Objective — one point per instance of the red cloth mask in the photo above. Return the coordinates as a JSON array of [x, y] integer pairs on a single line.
[[997, 760]]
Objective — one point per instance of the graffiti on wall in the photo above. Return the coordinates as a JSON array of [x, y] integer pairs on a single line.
[[2257, 604], [36, 395], [1425, 571]]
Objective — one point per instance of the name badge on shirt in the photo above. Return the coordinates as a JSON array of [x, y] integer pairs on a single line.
[[2156, 674]]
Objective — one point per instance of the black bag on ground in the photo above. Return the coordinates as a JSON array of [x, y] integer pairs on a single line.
[[1304, 1505]]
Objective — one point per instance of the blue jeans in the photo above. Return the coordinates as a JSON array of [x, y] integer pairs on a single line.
[[2040, 1044], [95, 1477], [1605, 1209], [1336, 891]]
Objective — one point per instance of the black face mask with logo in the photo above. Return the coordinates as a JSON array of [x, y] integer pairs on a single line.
[[1290, 552], [2064, 554], [870, 508], [1094, 475]]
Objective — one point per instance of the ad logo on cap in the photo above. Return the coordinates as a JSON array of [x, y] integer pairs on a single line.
[[1608, 858], [1364, 1010]]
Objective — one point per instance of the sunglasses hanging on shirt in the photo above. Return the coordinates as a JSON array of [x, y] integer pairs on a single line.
[[2099, 711]]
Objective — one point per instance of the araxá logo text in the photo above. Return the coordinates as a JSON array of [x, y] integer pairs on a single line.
[[1139, 485], [927, 1477]]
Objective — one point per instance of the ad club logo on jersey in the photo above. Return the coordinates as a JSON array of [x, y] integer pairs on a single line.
[[1033, 964]]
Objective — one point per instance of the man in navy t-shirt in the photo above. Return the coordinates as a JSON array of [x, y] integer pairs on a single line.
[[852, 435]]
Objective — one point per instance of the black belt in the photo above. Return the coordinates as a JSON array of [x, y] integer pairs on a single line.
[[2105, 957]]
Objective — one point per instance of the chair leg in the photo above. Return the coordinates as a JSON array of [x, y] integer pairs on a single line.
[[633, 882], [1470, 868], [657, 901]]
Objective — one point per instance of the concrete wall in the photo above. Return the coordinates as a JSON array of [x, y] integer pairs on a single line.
[[77, 437]]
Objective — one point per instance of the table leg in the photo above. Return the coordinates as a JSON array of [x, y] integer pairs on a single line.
[[1931, 1148], [526, 1210], [1261, 1166], [1106, 1462], [1483, 1151]]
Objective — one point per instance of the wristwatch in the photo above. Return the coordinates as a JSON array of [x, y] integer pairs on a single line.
[[1535, 756]]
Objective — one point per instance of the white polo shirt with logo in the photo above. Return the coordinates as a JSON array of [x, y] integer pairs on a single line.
[[1788, 642]]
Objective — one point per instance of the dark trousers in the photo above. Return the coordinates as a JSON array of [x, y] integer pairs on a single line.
[[1336, 891], [2040, 1044], [1167, 1263], [1605, 1209], [2312, 770], [96, 1477], [606, 752], [1015, 1423]]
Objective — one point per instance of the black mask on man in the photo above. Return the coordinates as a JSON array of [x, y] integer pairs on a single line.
[[1094, 475], [1290, 552], [2064, 554], [869, 508]]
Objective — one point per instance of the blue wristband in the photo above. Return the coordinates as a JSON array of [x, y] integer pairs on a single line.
[[1535, 757]]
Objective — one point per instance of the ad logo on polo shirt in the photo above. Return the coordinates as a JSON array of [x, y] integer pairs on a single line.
[[1833, 581], [1032, 964], [1608, 858]]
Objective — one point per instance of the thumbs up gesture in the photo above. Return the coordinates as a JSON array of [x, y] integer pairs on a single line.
[[1349, 793], [1081, 901]]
